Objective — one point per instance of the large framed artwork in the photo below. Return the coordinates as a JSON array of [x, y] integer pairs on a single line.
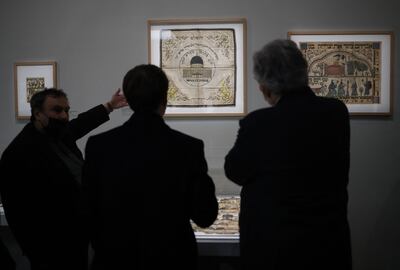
[[355, 67], [205, 62], [29, 78]]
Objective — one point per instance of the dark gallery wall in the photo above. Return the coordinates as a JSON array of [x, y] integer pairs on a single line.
[[95, 42]]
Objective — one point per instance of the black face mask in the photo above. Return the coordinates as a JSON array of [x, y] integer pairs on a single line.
[[56, 128]]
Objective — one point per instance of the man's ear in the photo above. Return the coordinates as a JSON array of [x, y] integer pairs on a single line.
[[37, 114], [270, 97], [163, 106], [264, 91]]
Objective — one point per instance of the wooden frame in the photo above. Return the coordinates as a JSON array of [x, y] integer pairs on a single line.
[[205, 62], [30, 77], [356, 67]]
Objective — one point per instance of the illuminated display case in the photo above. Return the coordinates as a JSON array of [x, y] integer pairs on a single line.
[[227, 224]]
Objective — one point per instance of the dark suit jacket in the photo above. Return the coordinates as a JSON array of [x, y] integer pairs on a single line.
[[145, 182], [6, 260], [292, 161], [42, 200]]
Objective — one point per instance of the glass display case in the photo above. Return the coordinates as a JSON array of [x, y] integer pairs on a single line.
[[227, 224]]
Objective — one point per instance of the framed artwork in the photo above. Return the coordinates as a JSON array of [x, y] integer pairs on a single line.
[[355, 67], [29, 78], [205, 62]]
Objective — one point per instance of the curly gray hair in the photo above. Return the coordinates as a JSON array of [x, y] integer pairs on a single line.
[[281, 67]]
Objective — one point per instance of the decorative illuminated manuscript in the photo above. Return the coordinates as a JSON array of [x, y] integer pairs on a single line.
[[227, 222], [33, 85], [201, 66], [349, 71]]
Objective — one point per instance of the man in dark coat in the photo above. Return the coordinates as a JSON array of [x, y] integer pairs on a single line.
[[292, 161], [40, 181], [6, 260], [144, 190]]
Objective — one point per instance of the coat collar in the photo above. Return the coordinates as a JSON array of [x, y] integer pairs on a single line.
[[298, 93], [146, 119]]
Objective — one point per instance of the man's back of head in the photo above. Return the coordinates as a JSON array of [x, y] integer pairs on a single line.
[[145, 88]]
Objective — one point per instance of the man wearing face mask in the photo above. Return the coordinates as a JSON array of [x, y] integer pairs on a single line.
[[40, 181]]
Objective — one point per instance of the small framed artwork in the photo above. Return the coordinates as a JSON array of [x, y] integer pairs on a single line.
[[355, 67], [205, 62], [29, 78]]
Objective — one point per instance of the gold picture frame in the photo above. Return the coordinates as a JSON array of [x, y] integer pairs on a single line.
[[30, 77], [355, 67], [205, 62]]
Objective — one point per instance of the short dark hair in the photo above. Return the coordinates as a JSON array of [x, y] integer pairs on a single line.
[[37, 100], [281, 67], [145, 88]]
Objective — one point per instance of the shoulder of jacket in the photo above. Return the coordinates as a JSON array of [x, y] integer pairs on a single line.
[[334, 103], [257, 114], [184, 138], [26, 141], [104, 135]]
